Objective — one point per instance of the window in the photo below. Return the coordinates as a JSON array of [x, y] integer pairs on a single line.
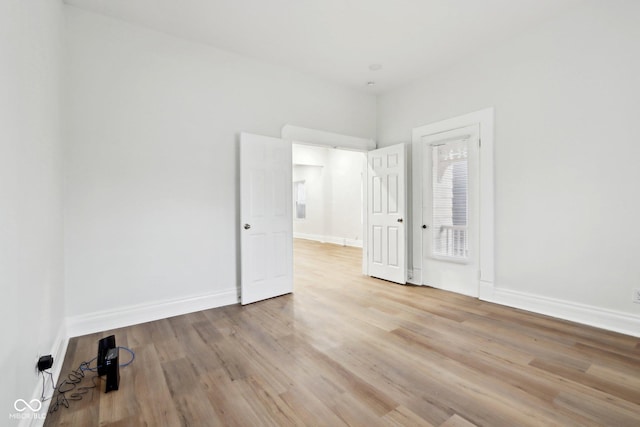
[[299, 197], [450, 199]]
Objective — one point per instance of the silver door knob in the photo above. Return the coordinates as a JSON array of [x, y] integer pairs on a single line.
[[247, 226], [400, 220]]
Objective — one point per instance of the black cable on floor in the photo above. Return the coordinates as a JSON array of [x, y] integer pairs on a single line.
[[70, 388]]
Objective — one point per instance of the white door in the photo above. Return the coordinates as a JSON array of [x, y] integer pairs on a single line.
[[450, 233], [386, 210], [265, 212]]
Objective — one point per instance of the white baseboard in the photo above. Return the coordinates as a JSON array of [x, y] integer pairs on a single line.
[[58, 351], [616, 321], [141, 313], [329, 239], [105, 320]]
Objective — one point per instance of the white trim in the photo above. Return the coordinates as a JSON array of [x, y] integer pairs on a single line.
[[363, 213], [140, 313], [329, 239], [58, 352], [413, 276], [300, 135], [616, 321], [483, 118], [485, 290]]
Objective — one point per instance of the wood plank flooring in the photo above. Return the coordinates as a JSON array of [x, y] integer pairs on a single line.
[[345, 349]]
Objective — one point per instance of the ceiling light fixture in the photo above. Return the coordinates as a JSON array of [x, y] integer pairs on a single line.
[[371, 83]]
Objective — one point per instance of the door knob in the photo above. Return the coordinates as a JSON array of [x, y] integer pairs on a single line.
[[400, 220], [425, 226], [247, 226]]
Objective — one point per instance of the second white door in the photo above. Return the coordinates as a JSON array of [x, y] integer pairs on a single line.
[[386, 213]]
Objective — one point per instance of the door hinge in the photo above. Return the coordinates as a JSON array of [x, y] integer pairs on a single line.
[[479, 143]]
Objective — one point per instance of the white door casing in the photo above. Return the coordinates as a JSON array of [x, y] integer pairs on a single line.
[[386, 213], [265, 210], [454, 268]]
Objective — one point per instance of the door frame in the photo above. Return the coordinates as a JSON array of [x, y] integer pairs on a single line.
[[301, 135], [484, 119]]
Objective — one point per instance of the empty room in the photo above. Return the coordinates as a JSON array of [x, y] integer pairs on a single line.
[[323, 213]]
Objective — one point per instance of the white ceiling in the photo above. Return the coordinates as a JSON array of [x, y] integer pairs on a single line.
[[339, 39]]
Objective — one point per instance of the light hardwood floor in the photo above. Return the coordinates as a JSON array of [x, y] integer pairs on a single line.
[[345, 349]]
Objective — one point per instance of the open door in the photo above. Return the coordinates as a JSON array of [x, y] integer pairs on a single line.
[[386, 213], [265, 211]]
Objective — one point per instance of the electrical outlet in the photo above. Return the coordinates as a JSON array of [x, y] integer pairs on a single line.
[[636, 295]]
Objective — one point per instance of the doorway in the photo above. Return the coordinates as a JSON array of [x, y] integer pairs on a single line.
[[382, 185], [327, 194], [318, 138]]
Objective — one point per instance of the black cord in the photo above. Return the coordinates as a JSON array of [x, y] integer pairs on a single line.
[[72, 382], [42, 399], [53, 387], [122, 365]]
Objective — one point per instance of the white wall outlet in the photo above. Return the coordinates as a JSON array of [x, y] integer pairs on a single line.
[[636, 295]]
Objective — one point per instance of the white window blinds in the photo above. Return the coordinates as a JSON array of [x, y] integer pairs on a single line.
[[450, 199]]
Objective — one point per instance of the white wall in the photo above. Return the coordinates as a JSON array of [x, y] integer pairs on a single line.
[[151, 205], [31, 271], [566, 152], [309, 166], [333, 182], [345, 172]]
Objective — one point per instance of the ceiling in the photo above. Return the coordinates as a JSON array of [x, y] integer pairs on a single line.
[[340, 39]]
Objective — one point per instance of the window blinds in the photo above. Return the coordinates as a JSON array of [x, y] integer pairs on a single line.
[[450, 198]]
